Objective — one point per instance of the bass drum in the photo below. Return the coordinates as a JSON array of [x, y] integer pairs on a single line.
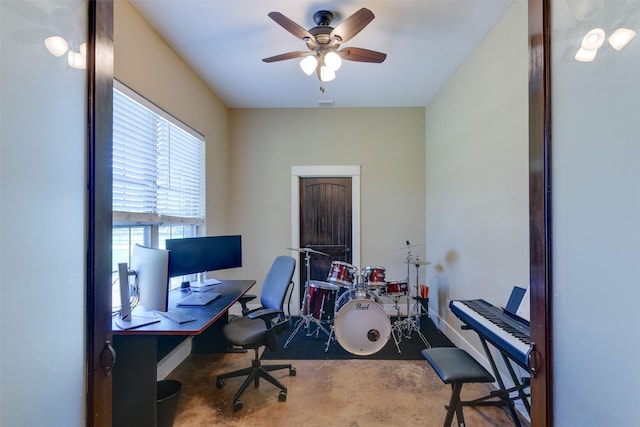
[[362, 327]]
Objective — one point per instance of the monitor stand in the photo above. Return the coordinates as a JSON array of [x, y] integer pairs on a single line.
[[126, 319], [134, 323]]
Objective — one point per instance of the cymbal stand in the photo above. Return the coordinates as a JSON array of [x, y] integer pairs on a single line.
[[418, 308], [409, 325], [396, 328], [305, 319]]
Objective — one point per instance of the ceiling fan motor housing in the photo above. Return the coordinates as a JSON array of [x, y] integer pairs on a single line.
[[323, 18]]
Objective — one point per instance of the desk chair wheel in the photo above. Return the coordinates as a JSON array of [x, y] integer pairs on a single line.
[[282, 397], [292, 372], [237, 405], [219, 384]]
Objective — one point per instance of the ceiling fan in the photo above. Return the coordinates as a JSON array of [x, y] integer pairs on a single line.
[[323, 41]]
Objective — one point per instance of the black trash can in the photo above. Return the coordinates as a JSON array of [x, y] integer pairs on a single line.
[[167, 394]]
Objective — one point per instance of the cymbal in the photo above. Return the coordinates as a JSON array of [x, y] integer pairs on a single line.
[[407, 247], [417, 262], [313, 251]]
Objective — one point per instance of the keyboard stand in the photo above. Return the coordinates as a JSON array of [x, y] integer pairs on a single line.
[[503, 393]]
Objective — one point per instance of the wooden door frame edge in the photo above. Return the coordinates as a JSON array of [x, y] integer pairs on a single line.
[[540, 221]]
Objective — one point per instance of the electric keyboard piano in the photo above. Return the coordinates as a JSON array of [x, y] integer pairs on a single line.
[[506, 332], [509, 334]]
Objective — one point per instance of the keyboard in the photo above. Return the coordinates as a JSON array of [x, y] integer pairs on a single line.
[[177, 316], [505, 332], [200, 298]]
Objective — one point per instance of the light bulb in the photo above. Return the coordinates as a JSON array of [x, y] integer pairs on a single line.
[[586, 55], [327, 74], [621, 37], [333, 61], [593, 39], [56, 45], [309, 64], [77, 60]]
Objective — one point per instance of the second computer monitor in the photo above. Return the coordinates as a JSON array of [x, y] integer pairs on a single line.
[[151, 267], [201, 254]]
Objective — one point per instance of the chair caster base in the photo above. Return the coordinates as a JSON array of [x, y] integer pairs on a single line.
[[292, 372], [237, 405], [219, 384], [282, 397]]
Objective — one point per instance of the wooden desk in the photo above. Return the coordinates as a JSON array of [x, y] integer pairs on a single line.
[[135, 373]]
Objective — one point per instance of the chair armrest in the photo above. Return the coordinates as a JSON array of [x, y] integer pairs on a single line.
[[266, 315], [244, 300]]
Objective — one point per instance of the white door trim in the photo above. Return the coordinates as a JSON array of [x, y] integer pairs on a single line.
[[319, 171]]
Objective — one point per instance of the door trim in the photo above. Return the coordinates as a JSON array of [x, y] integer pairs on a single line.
[[323, 171]]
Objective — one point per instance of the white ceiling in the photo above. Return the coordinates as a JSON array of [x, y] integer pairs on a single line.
[[224, 41]]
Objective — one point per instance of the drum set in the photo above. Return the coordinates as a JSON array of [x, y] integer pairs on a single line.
[[348, 308]]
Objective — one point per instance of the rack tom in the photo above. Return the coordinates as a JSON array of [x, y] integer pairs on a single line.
[[374, 277], [342, 273]]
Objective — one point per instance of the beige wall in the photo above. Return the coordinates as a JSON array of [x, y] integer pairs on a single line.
[[477, 214], [388, 143], [145, 63]]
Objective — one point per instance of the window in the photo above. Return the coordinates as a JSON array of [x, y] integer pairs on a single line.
[[158, 176]]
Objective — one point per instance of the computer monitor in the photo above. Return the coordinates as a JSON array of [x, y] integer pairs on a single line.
[[126, 319], [194, 255], [152, 280]]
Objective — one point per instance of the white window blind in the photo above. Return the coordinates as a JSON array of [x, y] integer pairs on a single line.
[[158, 164]]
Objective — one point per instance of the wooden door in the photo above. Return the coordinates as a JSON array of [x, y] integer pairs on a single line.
[[325, 224]]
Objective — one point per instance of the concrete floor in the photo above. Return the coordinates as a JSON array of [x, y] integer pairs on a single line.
[[355, 393]]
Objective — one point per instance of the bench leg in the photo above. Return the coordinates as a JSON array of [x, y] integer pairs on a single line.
[[455, 406]]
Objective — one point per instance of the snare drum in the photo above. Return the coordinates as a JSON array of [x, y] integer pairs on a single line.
[[362, 327], [322, 300], [342, 273], [394, 289], [373, 276]]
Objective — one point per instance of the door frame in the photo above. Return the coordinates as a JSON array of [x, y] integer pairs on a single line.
[[323, 171], [99, 357]]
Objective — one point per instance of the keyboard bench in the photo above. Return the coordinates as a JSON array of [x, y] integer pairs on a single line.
[[456, 367]]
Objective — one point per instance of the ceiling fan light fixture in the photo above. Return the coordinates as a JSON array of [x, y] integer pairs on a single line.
[[333, 61], [327, 74], [621, 37], [309, 64], [586, 55], [56, 45], [593, 39]]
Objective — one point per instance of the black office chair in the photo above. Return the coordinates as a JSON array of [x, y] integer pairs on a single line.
[[260, 327]]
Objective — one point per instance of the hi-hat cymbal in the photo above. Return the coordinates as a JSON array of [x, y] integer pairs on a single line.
[[417, 262], [313, 251]]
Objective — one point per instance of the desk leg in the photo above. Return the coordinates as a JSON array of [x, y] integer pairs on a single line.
[[134, 381]]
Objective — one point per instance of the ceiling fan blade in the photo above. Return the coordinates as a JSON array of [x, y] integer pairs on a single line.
[[285, 56], [351, 26], [361, 55], [290, 26]]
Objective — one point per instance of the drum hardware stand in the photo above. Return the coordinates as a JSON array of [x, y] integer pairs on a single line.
[[396, 328], [409, 325], [305, 319]]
